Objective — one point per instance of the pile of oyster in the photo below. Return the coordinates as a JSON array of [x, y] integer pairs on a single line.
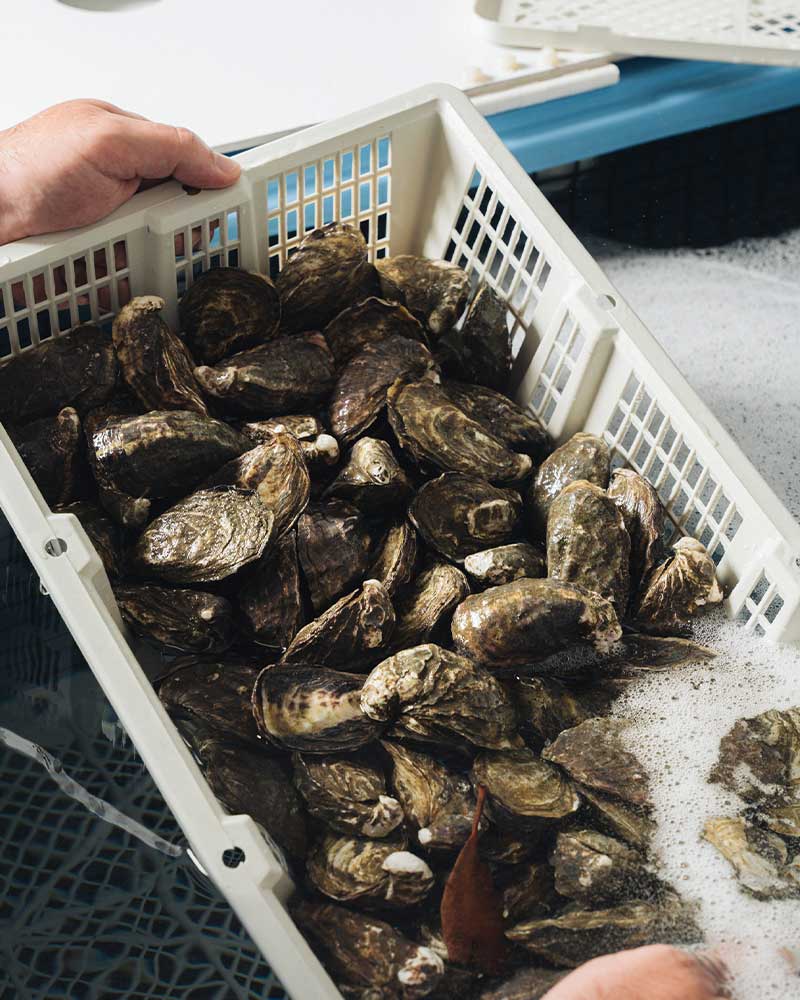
[[394, 592], [759, 760]]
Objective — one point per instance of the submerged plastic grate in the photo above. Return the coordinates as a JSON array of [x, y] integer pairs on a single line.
[[761, 606], [89, 911], [352, 186], [89, 286], [641, 436]]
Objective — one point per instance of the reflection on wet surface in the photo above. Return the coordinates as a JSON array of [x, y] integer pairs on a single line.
[[93, 908]]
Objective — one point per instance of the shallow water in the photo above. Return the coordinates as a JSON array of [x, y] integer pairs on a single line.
[[678, 719]]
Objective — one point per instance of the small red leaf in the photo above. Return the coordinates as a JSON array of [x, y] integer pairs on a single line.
[[472, 921]]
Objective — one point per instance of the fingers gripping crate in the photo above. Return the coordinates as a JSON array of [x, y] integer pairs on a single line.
[[425, 174]]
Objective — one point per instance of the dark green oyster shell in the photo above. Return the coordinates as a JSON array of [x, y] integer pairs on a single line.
[[288, 373], [155, 363], [328, 272], [190, 620], [52, 450], [161, 454], [437, 433], [226, 310], [209, 536], [458, 514], [588, 543], [77, 369], [359, 396]]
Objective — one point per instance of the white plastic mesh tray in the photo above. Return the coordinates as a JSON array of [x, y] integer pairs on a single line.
[[422, 173], [751, 31]]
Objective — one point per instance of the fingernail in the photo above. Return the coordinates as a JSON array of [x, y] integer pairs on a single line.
[[227, 165]]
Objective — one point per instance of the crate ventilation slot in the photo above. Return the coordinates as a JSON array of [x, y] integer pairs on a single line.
[[90, 286], [761, 606], [642, 437], [205, 244], [352, 186]]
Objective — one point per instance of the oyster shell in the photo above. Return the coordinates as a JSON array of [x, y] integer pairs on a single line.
[[434, 291], [594, 869], [130, 512], [312, 709], [359, 396], [631, 823], [154, 362], [226, 310], [208, 536], [505, 563], [520, 622], [276, 471], [759, 858], [350, 634], [368, 322], [78, 369], [678, 587], [161, 454], [396, 563], [545, 708], [516, 427], [431, 694], [458, 514], [759, 760], [103, 534], [523, 789], [327, 273], [349, 795], [439, 802], [525, 984], [51, 449], [335, 545], [435, 432], [286, 374], [588, 543], [320, 450], [371, 480], [643, 511], [184, 619], [638, 653], [584, 456], [374, 874], [486, 340], [530, 892], [217, 692], [367, 954], [594, 754], [425, 609], [270, 598], [576, 936], [247, 780]]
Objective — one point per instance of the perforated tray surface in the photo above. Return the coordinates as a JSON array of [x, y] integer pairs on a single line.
[[87, 910], [759, 31]]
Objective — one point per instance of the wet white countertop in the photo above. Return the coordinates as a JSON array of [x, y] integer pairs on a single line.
[[729, 317]]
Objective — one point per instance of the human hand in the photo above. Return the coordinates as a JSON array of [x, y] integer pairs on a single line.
[[76, 162], [657, 972]]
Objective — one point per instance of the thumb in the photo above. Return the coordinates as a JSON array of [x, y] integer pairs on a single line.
[[157, 151]]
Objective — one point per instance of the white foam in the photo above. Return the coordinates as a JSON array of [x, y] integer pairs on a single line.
[[678, 719]]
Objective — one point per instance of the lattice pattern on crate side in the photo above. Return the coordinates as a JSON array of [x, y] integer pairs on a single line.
[[205, 244], [761, 606], [729, 22], [490, 244], [642, 437], [353, 186], [92, 285]]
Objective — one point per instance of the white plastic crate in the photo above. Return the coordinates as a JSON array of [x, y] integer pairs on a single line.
[[748, 31], [422, 173]]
